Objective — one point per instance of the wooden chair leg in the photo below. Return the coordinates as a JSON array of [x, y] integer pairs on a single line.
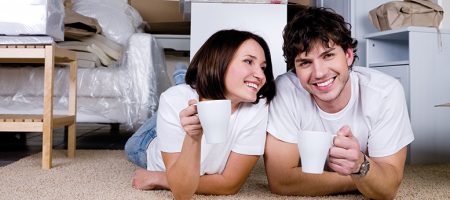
[[47, 149], [71, 140], [47, 136]]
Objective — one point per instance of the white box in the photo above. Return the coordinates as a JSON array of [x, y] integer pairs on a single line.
[[32, 17]]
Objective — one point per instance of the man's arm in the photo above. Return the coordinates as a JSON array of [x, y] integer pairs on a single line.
[[286, 178], [384, 177], [385, 173]]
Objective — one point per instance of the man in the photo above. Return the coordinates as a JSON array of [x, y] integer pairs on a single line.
[[323, 92]]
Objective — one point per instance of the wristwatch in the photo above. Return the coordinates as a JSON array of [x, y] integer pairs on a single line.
[[364, 168]]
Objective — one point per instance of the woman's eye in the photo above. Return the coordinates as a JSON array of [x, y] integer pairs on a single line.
[[248, 61]]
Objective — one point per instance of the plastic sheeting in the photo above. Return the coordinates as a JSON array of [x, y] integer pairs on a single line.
[[127, 92], [116, 17], [32, 17]]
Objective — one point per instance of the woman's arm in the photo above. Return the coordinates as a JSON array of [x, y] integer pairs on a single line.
[[233, 177], [183, 168]]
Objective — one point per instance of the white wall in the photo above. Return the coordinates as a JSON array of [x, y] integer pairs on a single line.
[[445, 4], [266, 20]]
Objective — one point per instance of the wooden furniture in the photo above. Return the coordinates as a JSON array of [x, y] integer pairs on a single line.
[[419, 58], [48, 54]]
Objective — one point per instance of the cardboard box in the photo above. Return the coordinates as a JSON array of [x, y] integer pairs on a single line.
[[443, 105], [32, 17], [302, 2], [155, 11]]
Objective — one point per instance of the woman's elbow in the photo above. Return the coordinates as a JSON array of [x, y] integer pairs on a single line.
[[231, 190]]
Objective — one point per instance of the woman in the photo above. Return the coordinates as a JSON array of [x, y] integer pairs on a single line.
[[232, 65]]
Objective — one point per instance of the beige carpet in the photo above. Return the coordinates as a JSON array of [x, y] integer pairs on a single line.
[[105, 174]]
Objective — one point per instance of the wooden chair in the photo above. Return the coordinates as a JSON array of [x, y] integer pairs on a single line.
[[48, 54]]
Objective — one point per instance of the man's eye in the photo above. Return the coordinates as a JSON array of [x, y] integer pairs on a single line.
[[328, 55], [304, 64]]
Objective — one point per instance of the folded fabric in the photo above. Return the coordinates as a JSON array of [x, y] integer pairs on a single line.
[[77, 26], [88, 59], [86, 47], [111, 48]]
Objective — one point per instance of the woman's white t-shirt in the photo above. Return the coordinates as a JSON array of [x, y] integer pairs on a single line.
[[247, 132]]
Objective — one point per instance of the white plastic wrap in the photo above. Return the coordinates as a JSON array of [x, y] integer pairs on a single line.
[[116, 17], [126, 93], [32, 17], [17, 40]]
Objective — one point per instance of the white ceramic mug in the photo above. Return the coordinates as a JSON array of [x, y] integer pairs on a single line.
[[214, 117], [313, 147]]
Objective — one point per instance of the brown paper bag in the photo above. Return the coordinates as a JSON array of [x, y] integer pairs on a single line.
[[397, 14]]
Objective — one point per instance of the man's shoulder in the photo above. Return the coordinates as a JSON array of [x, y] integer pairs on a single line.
[[287, 81], [375, 81]]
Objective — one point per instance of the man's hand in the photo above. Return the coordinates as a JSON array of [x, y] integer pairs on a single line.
[[345, 155]]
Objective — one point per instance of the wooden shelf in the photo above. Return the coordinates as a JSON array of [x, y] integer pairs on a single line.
[[48, 54], [32, 123]]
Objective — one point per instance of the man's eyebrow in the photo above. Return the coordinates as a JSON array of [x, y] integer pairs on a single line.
[[327, 51]]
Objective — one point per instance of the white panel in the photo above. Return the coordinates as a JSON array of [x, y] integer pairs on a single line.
[[266, 20], [427, 54]]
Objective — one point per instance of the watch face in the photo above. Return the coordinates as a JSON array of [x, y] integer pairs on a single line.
[[364, 166]]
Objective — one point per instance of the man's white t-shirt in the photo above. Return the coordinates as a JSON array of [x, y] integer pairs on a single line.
[[376, 113], [247, 132]]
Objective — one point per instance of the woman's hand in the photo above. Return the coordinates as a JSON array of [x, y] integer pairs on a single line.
[[190, 122]]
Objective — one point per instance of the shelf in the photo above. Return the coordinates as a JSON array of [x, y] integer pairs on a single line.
[[48, 54], [402, 33], [391, 63], [32, 123], [175, 42]]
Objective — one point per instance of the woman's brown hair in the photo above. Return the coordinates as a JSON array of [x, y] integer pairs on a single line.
[[206, 72]]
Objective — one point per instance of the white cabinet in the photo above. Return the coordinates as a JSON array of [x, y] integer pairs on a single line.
[[420, 58], [266, 20]]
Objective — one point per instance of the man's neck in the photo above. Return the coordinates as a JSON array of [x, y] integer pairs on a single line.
[[338, 103]]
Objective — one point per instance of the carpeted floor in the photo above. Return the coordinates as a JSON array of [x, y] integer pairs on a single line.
[[106, 174]]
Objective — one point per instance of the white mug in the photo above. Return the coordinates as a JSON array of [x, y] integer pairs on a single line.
[[214, 117], [313, 147]]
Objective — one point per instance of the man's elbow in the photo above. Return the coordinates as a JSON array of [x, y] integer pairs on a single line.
[[390, 193]]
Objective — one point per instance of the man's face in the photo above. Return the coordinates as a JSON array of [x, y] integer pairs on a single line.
[[324, 73]]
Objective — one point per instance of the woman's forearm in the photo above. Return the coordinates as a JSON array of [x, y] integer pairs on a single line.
[[184, 175]]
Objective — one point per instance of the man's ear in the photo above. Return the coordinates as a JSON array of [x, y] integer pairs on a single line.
[[350, 56]]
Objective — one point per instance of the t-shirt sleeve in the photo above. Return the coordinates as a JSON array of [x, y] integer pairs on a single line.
[[392, 131], [252, 136], [168, 127], [284, 122]]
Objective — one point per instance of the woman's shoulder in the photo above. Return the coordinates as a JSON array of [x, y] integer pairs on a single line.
[[179, 94], [180, 90], [255, 108]]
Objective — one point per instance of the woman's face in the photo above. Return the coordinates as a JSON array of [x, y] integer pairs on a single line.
[[244, 76]]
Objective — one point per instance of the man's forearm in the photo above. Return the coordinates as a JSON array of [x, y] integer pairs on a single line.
[[381, 182], [299, 183]]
